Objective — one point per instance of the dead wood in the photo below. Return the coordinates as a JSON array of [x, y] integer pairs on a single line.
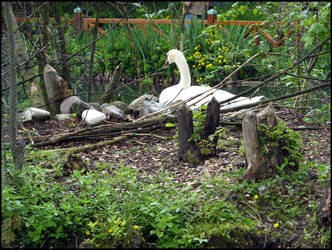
[[93, 146], [324, 209], [188, 149], [112, 85], [107, 130], [259, 165], [253, 153], [212, 121]]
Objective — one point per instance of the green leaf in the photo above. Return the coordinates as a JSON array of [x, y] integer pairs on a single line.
[[169, 125]]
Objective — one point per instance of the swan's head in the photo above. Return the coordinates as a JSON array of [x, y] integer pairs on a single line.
[[172, 56]]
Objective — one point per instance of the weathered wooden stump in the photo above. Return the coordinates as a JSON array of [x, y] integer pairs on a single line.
[[112, 84], [188, 150], [259, 164], [211, 123], [324, 208]]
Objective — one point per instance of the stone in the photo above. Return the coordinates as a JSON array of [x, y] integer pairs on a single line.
[[138, 102], [92, 117], [64, 117], [112, 111], [96, 105], [121, 105], [29, 114], [68, 102]]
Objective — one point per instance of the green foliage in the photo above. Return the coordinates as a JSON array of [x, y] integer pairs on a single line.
[[281, 136]]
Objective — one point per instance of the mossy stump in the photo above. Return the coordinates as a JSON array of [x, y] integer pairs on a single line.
[[264, 156]]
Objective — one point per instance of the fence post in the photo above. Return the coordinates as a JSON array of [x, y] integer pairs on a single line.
[[78, 20], [212, 16]]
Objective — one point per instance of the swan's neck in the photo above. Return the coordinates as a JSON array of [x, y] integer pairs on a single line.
[[185, 79]]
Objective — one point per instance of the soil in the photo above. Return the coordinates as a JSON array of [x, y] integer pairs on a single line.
[[157, 151]]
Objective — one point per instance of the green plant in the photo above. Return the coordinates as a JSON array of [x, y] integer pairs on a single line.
[[280, 136]]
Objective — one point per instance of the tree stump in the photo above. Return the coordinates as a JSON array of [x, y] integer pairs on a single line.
[[324, 209], [211, 123], [253, 153], [188, 150], [264, 164]]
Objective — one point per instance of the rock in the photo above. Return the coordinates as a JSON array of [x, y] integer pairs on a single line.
[[29, 114], [96, 105], [79, 107], [66, 104], [112, 111], [138, 102], [150, 107], [121, 105], [92, 117], [64, 117], [261, 189]]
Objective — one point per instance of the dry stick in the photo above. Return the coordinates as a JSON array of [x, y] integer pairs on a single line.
[[94, 146], [276, 75], [324, 85]]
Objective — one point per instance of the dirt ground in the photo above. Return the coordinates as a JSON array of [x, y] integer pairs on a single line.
[[151, 152]]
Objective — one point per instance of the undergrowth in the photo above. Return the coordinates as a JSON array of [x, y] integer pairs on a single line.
[[111, 206]]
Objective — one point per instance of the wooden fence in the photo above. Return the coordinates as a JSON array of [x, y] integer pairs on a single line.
[[257, 27]]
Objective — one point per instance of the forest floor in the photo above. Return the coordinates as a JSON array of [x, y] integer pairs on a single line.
[[156, 152]]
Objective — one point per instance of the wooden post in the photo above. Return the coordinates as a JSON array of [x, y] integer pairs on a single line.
[[211, 123], [188, 150], [78, 20], [212, 16]]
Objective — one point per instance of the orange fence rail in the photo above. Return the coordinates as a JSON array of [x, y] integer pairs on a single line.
[[254, 26]]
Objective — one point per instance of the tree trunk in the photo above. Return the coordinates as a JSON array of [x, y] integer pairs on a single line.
[[22, 58], [17, 149], [42, 55], [188, 150], [93, 49], [111, 86], [63, 53]]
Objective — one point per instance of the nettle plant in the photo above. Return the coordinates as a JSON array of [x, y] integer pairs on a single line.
[[285, 139]]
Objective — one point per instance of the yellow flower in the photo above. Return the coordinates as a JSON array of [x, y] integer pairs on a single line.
[[87, 232], [136, 227], [200, 78], [110, 230], [194, 66], [276, 225], [219, 61], [233, 66], [219, 49], [197, 80], [220, 56], [256, 196], [224, 60]]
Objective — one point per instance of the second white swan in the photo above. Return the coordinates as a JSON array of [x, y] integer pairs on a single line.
[[183, 91]]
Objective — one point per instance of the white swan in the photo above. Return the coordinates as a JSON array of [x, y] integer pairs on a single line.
[[183, 90]]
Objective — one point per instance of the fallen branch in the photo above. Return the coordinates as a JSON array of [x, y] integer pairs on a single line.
[[107, 130], [93, 146]]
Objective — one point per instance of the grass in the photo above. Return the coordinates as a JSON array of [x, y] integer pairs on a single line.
[[112, 206]]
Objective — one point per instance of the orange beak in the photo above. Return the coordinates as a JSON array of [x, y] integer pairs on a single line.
[[166, 64]]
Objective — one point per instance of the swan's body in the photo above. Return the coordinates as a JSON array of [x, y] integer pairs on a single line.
[[183, 90]]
